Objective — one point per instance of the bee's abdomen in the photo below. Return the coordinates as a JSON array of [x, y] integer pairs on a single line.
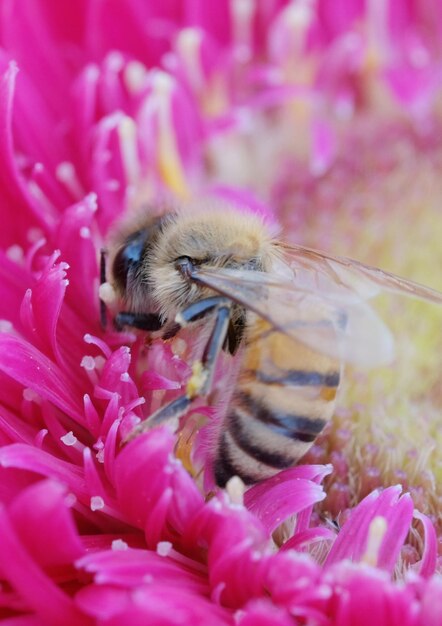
[[272, 422]]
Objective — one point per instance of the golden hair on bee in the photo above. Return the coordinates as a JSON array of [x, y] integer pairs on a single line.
[[298, 315], [213, 233]]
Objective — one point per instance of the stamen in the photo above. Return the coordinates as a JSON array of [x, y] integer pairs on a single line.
[[97, 503], [377, 32], [298, 17], [376, 534], [127, 133], [135, 76], [99, 343], [189, 47], [242, 12], [15, 253], [169, 159], [69, 439], [164, 548], [235, 489], [107, 293], [6, 326], [119, 544], [66, 174]]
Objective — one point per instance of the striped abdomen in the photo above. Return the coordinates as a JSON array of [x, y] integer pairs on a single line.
[[284, 397]]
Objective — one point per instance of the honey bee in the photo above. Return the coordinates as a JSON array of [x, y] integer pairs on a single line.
[[292, 315]]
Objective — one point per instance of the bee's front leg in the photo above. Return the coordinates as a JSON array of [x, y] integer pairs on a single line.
[[200, 382]]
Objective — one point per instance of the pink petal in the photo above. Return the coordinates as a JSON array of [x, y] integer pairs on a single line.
[[42, 595], [429, 556], [41, 511], [351, 541], [20, 360]]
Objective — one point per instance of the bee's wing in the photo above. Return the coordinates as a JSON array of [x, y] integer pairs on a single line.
[[315, 306], [341, 273]]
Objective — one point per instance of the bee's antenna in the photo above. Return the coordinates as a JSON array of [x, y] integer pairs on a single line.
[[103, 308]]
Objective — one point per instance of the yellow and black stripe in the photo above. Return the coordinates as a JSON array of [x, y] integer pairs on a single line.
[[284, 398]]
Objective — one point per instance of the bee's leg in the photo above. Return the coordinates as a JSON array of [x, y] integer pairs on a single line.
[[169, 413], [103, 308], [199, 309], [142, 321], [200, 382]]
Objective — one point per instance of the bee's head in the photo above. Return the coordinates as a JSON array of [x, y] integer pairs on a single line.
[[211, 239]]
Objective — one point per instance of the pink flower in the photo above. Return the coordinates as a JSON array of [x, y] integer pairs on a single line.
[[104, 106]]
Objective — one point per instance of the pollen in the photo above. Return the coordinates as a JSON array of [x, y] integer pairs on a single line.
[[196, 381]]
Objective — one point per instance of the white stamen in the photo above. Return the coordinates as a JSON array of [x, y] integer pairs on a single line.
[[70, 499], [107, 293], [40, 436], [376, 534], [127, 133], [91, 73], [135, 76], [235, 489], [36, 191], [112, 184], [298, 16], [69, 439], [85, 232], [6, 326], [99, 362], [164, 548], [34, 234], [30, 395], [15, 253], [119, 544], [66, 174], [100, 456], [88, 362], [91, 202], [242, 16], [97, 503], [188, 44], [115, 61], [125, 378], [162, 83]]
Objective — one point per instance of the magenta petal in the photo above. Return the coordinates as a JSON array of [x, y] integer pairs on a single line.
[[129, 568], [20, 360], [15, 197], [292, 491], [263, 613], [23, 620], [144, 470], [42, 595], [351, 542], [153, 603], [365, 596], [22, 456], [431, 607], [44, 303], [429, 556], [283, 500], [41, 511], [306, 537]]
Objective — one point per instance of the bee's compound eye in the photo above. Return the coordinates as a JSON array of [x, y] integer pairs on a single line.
[[185, 265], [129, 257]]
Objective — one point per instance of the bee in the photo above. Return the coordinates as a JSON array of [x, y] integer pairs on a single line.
[[293, 316]]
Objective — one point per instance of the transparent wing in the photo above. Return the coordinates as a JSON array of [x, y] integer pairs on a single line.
[[333, 272], [320, 300]]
